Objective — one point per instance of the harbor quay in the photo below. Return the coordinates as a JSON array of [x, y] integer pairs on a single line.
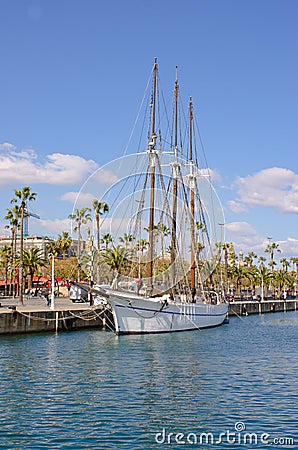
[[245, 307], [37, 316]]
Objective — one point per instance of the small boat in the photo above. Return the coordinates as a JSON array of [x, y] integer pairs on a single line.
[[166, 193]]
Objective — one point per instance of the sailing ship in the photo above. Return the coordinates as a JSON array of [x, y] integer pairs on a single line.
[[177, 298]]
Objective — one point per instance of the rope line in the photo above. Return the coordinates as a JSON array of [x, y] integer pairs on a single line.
[[41, 319]]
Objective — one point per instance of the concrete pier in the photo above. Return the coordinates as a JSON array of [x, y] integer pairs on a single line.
[[36, 316], [244, 308]]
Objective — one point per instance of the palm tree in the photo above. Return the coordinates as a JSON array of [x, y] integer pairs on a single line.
[[295, 261], [142, 245], [24, 195], [107, 239], [154, 235], [280, 280], [285, 263], [264, 276], [291, 282], [33, 261], [238, 273], [249, 258], [164, 231], [117, 258], [13, 215], [252, 276], [81, 217], [261, 260], [100, 208], [5, 258], [127, 239], [199, 248], [271, 264], [226, 247], [53, 248], [64, 242], [271, 248], [200, 226]]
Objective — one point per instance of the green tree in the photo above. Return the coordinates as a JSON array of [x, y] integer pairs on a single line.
[[53, 248], [285, 263], [200, 226], [118, 259], [5, 259], [127, 239], [271, 264], [100, 208], [64, 243], [81, 217], [271, 249], [163, 231], [33, 261], [261, 260], [295, 261], [142, 245], [291, 282], [252, 276], [264, 276], [13, 215], [281, 280], [24, 195], [106, 240], [237, 275], [199, 248], [225, 246], [66, 269], [249, 258]]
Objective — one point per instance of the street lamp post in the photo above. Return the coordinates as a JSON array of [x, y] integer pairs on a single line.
[[222, 287], [53, 283], [91, 265]]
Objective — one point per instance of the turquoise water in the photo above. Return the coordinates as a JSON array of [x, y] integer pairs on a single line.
[[92, 390]]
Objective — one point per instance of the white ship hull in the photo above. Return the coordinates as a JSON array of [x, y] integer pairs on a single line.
[[137, 315]]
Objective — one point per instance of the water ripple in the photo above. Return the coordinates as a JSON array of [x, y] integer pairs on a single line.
[[91, 390]]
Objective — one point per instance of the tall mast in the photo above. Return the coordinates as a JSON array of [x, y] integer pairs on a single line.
[[175, 180], [152, 161], [192, 203]]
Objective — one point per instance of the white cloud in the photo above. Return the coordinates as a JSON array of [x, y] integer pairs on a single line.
[[51, 227], [105, 176], [237, 207], [78, 198], [57, 168], [6, 146], [241, 229], [213, 174], [274, 187], [245, 236], [289, 247], [3, 231]]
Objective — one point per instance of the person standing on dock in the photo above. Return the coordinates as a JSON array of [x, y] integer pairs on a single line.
[[47, 297]]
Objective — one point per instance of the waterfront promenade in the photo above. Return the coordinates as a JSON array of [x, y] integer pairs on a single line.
[[36, 316], [32, 303]]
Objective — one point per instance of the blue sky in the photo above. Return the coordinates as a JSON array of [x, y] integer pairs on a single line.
[[73, 74]]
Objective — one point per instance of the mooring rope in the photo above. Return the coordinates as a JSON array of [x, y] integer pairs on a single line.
[[42, 319]]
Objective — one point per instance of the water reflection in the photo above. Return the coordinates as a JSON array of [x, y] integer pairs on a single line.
[[90, 389]]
